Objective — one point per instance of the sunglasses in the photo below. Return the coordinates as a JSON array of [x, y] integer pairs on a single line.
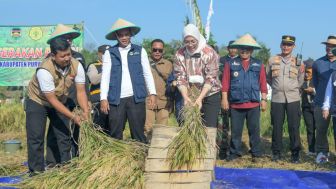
[[157, 50]]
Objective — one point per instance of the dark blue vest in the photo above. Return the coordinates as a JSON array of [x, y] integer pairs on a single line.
[[244, 86], [135, 71], [333, 96]]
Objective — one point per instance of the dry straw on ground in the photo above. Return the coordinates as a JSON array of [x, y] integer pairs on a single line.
[[103, 162]]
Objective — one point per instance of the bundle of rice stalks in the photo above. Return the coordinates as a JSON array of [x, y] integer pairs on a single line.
[[103, 162], [190, 144]]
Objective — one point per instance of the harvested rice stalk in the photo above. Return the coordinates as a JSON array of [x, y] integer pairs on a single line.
[[190, 143], [103, 162]]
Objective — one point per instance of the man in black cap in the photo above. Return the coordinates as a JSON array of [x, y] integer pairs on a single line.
[[307, 96], [223, 120], [285, 76], [94, 74]]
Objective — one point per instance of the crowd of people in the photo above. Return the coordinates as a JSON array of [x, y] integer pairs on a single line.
[[127, 85]]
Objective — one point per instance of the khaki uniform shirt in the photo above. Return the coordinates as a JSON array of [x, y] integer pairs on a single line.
[[165, 67], [285, 78]]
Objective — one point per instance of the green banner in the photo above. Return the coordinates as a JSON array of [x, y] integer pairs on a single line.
[[22, 48]]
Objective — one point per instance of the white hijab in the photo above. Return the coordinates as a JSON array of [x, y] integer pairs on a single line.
[[192, 30]]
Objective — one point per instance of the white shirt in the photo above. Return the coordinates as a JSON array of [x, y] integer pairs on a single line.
[[126, 83], [46, 80], [327, 96]]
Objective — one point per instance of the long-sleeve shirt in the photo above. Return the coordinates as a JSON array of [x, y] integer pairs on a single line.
[[126, 83], [226, 84], [204, 66], [328, 95], [322, 69]]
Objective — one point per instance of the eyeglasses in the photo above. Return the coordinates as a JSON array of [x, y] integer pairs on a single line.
[[157, 50]]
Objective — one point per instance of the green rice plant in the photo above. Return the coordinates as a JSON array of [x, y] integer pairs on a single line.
[[12, 118], [103, 162], [190, 144]]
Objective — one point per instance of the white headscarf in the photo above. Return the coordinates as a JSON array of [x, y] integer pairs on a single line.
[[192, 30]]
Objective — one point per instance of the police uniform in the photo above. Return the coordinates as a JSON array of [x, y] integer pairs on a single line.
[[285, 78], [94, 74]]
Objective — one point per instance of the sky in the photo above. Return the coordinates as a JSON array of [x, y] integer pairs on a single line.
[[310, 21]]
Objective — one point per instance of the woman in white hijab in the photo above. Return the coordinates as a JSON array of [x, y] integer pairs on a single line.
[[197, 63]]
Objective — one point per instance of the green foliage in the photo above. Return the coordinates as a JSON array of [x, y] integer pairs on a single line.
[[263, 54], [89, 56]]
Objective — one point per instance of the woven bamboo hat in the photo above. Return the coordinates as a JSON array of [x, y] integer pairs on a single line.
[[245, 41], [331, 40], [63, 30], [121, 24]]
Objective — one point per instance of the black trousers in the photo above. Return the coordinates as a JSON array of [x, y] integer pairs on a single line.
[[293, 112], [36, 118], [210, 109], [53, 155], [252, 116], [135, 113], [100, 118], [223, 128], [322, 126], [308, 116]]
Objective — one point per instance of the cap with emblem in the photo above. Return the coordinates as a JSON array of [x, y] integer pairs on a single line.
[[63, 30], [331, 40], [119, 25], [288, 39], [103, 48], [246, 41], [230, 43]]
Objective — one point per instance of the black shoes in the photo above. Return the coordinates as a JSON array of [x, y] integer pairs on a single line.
[[295, 158], [232, 157], [276, 157]]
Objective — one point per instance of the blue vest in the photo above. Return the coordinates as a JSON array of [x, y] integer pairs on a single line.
[[135, 71], [333, 96], [244, 85]]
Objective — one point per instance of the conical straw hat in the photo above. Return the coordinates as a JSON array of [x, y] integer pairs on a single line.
[[121, 24], [245, 41], [63, 30]]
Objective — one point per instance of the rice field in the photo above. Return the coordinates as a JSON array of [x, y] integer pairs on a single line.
[[12, 126]]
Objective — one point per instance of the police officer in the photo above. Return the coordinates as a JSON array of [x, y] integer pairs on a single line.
[[94, 74], [285, 77], [244, 78]]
